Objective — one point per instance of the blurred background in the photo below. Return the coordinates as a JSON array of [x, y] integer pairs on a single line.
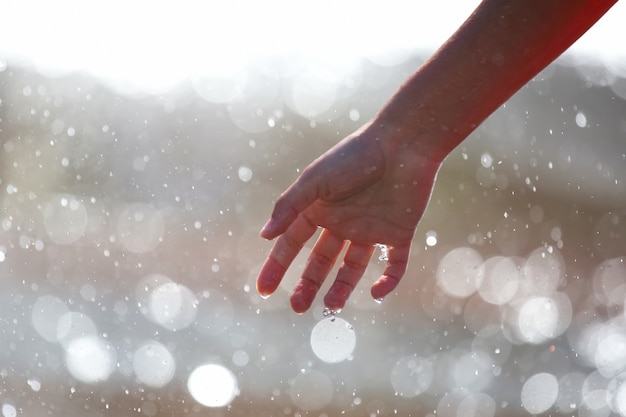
[[143, 145]]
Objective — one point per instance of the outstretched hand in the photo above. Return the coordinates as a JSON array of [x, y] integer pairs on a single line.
[[366, 190], [373, 186]]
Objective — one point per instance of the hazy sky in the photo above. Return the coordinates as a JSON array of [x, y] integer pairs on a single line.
[[163, 41]]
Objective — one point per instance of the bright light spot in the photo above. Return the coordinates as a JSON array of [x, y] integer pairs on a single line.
[[620, 399], [431, 238], [412, 375], [241, 358], [544, 318], [333, 340], [47, 310], [73, 325], [459, 272], [65, 219], [144, 290], [8, 410], [486, 160], [90, 359], [610, 357], [543, 270], [213, 385], [34, 384], [539, 393], [173, 306], [140, 227], [153, 364], [500, 281], [245, 174], [581, 119], [313, 93], [312, 390]]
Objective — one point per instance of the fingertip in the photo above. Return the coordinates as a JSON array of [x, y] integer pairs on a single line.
[[269, 278], [298, 306], [337, 295], [268, 230], [385, 285], [303, 296]]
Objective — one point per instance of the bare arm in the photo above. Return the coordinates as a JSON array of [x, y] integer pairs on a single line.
[[498, 49], [374, 185]]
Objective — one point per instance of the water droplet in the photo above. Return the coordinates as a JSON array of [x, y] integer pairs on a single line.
[[329, 312], [384, 253], [245, 173], [379, 300], [431, 238], [486, 160], [355, 115]]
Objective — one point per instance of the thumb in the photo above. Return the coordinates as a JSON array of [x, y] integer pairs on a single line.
[[293, 201]]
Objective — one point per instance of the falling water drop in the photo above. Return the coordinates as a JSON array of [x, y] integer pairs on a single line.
[[329, 312], [384, 253]]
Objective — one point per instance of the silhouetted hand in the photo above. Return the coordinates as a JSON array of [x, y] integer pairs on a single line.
[[374, 185], [367, 190]]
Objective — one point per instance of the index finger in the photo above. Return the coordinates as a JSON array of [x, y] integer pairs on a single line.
[[282, 254]]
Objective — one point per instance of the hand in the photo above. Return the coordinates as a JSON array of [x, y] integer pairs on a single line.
[[366, 190]]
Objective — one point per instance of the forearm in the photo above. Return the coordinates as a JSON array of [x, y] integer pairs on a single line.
[[499, 48]]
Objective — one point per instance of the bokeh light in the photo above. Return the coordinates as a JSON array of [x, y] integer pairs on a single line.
[[153, 364], [412, 375], [90, 359], [539, 393], [459, 272], [212, 385], [333, 340]]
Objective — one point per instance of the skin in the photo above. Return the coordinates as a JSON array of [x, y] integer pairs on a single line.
[[373, 186]]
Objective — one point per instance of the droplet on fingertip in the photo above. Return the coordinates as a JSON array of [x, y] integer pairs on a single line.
[[379, 300], [384, 253], [330, 312]]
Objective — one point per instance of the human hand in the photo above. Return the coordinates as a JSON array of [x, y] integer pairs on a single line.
[[366, 190]]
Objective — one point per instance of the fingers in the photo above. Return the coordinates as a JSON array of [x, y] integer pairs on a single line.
[[301, 194], [282, 254], [395, 269], [320, 262], [354, 263]]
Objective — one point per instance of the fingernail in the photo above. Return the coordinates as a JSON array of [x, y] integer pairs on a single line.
[[266, 228]]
